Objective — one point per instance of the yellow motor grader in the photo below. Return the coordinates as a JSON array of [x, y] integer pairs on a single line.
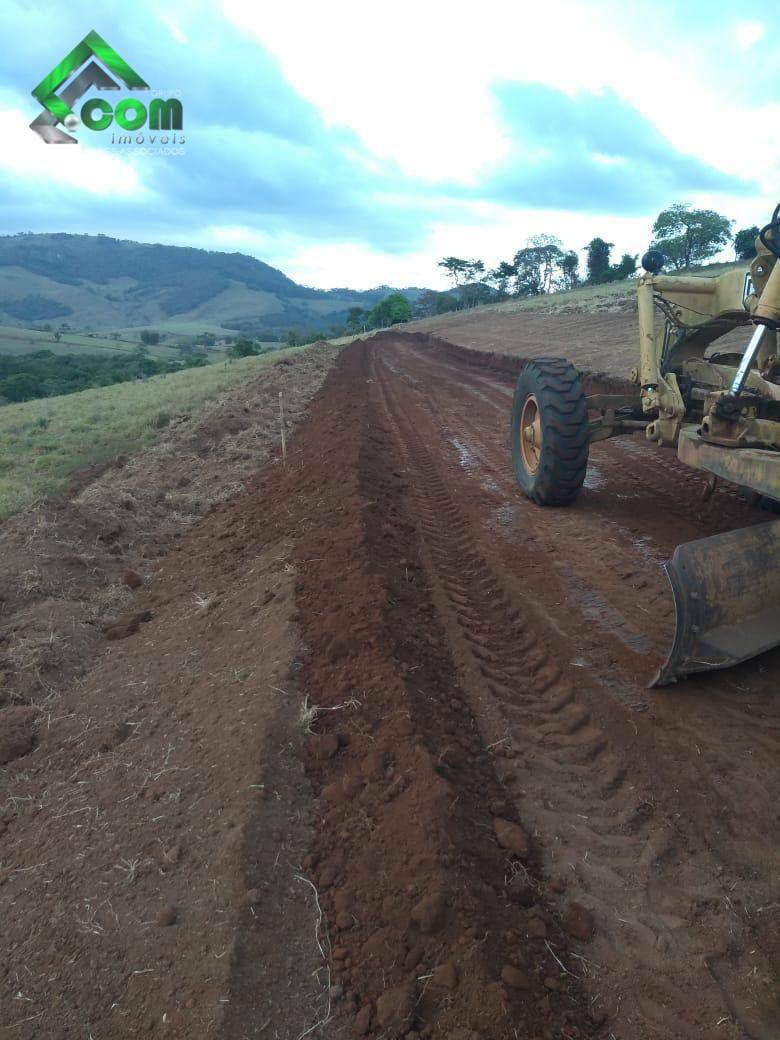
[[719, 410]]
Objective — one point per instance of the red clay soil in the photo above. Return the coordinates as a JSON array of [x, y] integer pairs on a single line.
[[61, 559], [506, 833], [597, 334]]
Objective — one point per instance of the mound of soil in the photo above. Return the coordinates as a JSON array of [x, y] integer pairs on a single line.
[[61, 561]]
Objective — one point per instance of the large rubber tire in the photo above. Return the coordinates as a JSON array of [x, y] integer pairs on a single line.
[[550, 399]]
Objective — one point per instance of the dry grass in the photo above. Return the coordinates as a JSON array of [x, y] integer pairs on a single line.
[[309, 713], [42, 442], [35, 653]]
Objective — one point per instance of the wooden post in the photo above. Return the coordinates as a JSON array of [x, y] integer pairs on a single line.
[[281, 424]]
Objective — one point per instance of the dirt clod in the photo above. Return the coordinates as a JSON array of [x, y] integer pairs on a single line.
[[17, 732], [324, 746], [514, 977], [132, 579], [394, 1009], [537, 929], [362, 1021], [167, 916], [428, 914], [511, 836], [445, 976], [578, 922]]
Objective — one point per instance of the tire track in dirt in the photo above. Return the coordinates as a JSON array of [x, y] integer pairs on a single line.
[[548, 736], [569, 549], [669, 881], [438, 927]]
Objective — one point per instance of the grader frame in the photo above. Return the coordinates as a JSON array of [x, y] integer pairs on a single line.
[[720, 411]]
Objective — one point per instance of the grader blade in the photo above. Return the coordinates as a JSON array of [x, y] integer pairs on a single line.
[[726, 598]]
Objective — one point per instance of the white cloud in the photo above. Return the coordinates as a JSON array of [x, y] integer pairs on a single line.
[[748, 34], [237, 237], [415, 81], [490, 232], [174, 27], [94, 171]]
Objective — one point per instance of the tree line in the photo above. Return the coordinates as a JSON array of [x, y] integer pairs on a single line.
[[686, 236], [43, 373]]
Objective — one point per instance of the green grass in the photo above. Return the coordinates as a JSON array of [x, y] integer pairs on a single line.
[[42, 442], [15, 340], [181, 328]]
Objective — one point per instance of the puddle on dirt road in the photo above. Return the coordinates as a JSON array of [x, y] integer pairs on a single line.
[[467, 460], [594, 479], [632, 446], [645, 547], [471, 464], [475, 392], [505, 515]]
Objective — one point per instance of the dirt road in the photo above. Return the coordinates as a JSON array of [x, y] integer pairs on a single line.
[[507, 834], [656, 811]]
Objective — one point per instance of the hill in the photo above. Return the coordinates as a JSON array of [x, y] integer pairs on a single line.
[[97, 282], [594, 326]]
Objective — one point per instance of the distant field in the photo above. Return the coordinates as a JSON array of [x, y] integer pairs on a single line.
[[42, 442], [179, 328], [15, 340]]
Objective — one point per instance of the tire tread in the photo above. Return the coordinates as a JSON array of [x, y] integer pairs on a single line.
[[565, 431]]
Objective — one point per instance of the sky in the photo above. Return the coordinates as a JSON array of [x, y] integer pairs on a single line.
[[356, 144]]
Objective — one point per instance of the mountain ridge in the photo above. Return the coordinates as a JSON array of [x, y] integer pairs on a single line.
[[100, 282]]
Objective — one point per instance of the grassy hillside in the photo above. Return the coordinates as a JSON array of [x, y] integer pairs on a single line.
[[101, 283], [16, 340], [607, 296], [595, 326], [42, 442]]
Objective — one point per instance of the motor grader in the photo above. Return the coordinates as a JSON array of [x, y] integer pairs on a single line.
[[720, 410]]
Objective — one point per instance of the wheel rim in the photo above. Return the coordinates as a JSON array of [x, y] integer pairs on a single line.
[[531, 434]]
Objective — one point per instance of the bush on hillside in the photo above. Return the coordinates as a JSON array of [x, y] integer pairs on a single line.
[[45, 374]]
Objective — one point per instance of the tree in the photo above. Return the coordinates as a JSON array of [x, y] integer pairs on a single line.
[[528, 279], [22, 386], [475, 293], [549, 253], [537, 266], [430, 302], [688, 236], [570, 263], [242, 347], [625, 269], [456, 269], [745, 243], [356, 319], [392, 310], [150, 338], [501, 276], [597, 260]]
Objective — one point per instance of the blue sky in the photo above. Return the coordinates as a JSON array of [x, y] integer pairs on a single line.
[[356, 144]]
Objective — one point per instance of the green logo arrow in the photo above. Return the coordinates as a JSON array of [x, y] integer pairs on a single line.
[[58, 107]]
